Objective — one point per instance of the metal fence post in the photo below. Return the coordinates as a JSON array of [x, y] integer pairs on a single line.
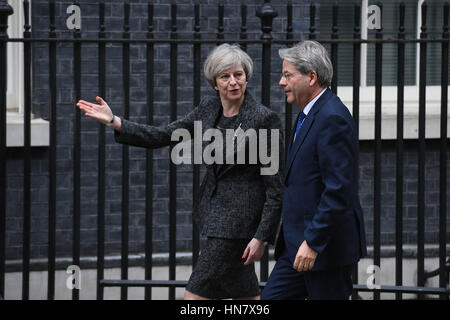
[[443, 189], [27, 157], [172, 166], [5, 11], [378, 151], [101, 209], [400, 154], [125, 218], [76, 218], [266, 13], [150, 52], [422, 153], [52, 155]]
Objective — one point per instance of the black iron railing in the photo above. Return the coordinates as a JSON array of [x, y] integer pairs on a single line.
[[266, 13]]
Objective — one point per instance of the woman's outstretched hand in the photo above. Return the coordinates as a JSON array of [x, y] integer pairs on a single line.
[[100, 112]]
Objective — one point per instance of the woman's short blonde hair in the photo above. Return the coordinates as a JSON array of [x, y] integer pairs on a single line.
[[224, 57]]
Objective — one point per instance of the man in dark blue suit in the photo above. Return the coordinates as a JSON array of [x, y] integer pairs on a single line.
[[322, 235]]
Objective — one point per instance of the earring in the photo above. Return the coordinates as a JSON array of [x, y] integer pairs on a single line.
[[215, 88]]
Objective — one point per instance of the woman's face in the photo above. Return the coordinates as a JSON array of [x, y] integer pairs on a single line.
[[231, 84]]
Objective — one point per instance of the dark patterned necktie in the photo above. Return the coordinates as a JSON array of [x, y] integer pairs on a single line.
[[301, 117]]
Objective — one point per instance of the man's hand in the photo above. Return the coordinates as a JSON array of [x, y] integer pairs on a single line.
[[305, 258]]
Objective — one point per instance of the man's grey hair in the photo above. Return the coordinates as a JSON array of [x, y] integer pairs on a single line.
[[309, 56], [224, 57]]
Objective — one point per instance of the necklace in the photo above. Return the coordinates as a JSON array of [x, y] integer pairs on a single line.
[[235, 131]]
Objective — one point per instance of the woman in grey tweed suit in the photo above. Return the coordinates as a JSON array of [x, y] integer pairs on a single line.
[[239, 208]]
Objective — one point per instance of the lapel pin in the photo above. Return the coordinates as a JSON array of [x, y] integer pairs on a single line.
[[236, 132]]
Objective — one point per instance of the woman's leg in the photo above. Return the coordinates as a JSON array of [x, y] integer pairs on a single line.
[[248, 298], [192, 296]]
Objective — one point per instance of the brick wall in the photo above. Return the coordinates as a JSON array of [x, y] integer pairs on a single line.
[[410, 187]]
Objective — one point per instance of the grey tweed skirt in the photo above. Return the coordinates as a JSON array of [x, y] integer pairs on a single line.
[[220, 272]]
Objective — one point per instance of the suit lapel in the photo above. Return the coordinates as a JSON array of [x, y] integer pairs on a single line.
[[208, 122], [306, 126], [211, 117]]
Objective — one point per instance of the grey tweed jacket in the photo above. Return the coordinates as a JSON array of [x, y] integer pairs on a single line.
[[237, 202]]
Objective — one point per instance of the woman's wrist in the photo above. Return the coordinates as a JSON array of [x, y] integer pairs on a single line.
[[116, 123], [110, 123], [264, 243]]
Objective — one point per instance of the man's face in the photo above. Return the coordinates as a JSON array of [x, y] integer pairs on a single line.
[[295, 85]]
